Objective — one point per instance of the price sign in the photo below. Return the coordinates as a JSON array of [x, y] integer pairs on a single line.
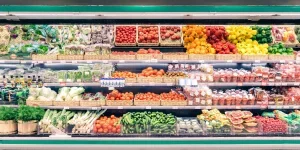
[[22, 62], [49, 62], [62, 61], [277, 84], [66, 107], [175, 61], [111, 88], [201, 61], [263, 83], [282, 61], [105, 61], [148, 107], [120, 107], [40, 62], [239, 84], [198, 107], [89, 62], [284, 84], [208, 107], [74, 62], [257, 61], [175, 107], [153, 60], [62, 83], [121, 61], [295, 107], [229, 61], [170, 84], [278, 107], [286, 107], [94, 108], [152, 84], [296, 84], [237, 107]]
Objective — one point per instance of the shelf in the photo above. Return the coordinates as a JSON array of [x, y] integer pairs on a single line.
[[98, 84], [142, 61]]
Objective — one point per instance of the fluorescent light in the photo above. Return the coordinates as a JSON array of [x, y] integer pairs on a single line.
[[54, 14]]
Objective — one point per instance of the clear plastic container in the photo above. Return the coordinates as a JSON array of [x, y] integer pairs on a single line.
[[189, 126]]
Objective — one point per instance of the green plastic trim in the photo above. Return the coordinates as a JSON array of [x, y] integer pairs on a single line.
[[148, 142], [185, 8]]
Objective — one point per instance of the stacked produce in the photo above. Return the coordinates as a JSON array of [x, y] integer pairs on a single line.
[[107, 125], [70, 94], [216, 34], [148, 98], [242, 121], [102, 34], [93, 97], [125, 35], [148, 34], [122, 53], [8, 117], [285, 34], [252, 47], [263, 34], [149, 51], [214, 122], [41, 94], [170, 35], [297, 32], [271, 125], [198, 95], [150, 72], [83, 122], [280, 49], [224, 47], [292, 119], [116, 95], [189, 126], [239, 33], [233, 97]]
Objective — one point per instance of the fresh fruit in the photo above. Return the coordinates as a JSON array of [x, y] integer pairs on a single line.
[[150, 72], [239, 33], [175, 74], [126, 34], [297, 32], [224, 47], [149, 51], [215, 34], [172, 96], [148, 34], [124, 74], [108, 124], [170, 34], [271, 125], [116, 95], [122, 53], [279, 48], [147, 96], [264, 34], [252, 47], [284, 34]]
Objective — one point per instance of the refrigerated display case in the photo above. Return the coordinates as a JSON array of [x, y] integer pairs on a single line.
[[153, 76]]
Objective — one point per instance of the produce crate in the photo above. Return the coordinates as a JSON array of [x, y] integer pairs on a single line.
[[149, 79], [255, 57], [96, 57], [8, 127], [228, 57], [294, 129], [283, 29], [163, 129], [39, 103], [66, 103], [148, 56], [86, 103], [119, 102], [281, 57], [146, 103], [148, 44], [122, 57], [173, 103], [130, 80], [185, 124], [202, 56], [69, 130], [135, 130], [170, 80], [43, 57], [167, 56], [167, 42], [70, 57], [261, 132], [124, 44], [27, 128], [216, 131], [254, 131]]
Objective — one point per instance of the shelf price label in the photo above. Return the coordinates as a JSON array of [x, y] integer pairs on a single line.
[[89, 62], [66, 107], [121, 61], [62, 83], [284, 84], [74, 62], [277, 84], [296, 84], [120, 107], [201, 61], [111, 88], [174, 61], [105, 61], [257, 61], [208, 107], [62, 61], [229, 61], [175, 107], [152, 83], [240, 84], [94, 108], [153, 60], [295, 107], [148, 107], [198, 107], [282, 61], [263, 83], [49, 62], [237, 107], [286, 107]]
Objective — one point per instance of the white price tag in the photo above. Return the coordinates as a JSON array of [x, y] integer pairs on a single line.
[[23, 62], [2, 61], [175, 107], [153, 60], [198, 100], [120, 107], [286, 107], [174, 61], [62, 61], [208, 107], [40, 62], [201, 61], [198, 107], [89, 62], [80, 84], [296, 84], [257, 61], [277, 84], [66, 107], [74, 62], [121, 61], [229, 61], [94, 108], [284, 84], [129, 84], [170, 84], [282, 61], [278, 107], [148, 107], [152, 83], [34, 62], [147, 61], [237, 107], [49, 62], [45, 84], [105, 61], [111, 88]]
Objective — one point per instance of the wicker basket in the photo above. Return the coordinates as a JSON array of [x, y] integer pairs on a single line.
[[170, 79], [281, 57], [149, 79], [228, 57], [27, 128], [96, 57], [39, 103], [170, 44], [92, 103], [130, 80], [148, 44], [122, 57], [119, 102], [70, 57], [202, 56], [8, 127], [124, 44], [66, 103], [146, 103], [254, 57], [148, 56], [175, 57], [43, 57], [173, 103]]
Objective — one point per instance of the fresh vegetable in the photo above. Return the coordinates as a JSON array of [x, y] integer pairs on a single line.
[[242, 121], [170, 34], [124, 74], [148, 34], [83, 122], [252, 47], [215, 34], [161, 123], [41, 94], [280, 49], [70, 94], [188, 126], [150, 72], [149, 51], [28, 113], [126, 34], [172, 96], [8, 113], [108, 125], [239, 33], [263, 34], [93, 97], [272, 126], [224, 47], [116, 95], [147, 96]]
